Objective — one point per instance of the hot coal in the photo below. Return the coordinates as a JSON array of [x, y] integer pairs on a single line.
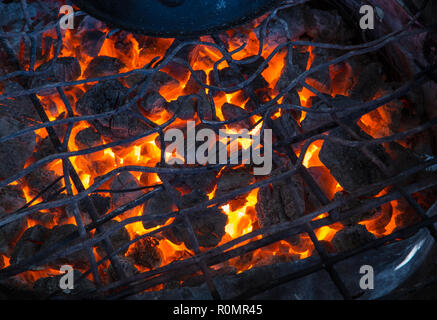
[[11, 199], [232, 179], [326, 26], [9, 233], [43, 149], [349, 166], [154, 103], [369, 81], [208, 225], [78, 259], [159, 80], [184, 106], [108, 96], [117, 238], [315, 120], [192, 86], [103, 66], [91, 38], [356, 218], [351, 237], [88, 138], [91, 42], [61, 70], [146, 253], [321, 80], [101, 203], [124, 181], [46, 287], [126, 265], [40, 178], [29, 244], [21, 108], [282, 201], [205, 181], [160, 204], [299, 62], [231, 112], [43, 218], [285, 127], [14, 152]]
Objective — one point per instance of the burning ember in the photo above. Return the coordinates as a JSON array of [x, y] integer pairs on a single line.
[[87, 176]]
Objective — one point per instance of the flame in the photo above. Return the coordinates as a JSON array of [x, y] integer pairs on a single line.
[[128, 49]]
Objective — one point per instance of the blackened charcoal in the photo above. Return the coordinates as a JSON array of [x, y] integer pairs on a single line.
[[356, 218], [160, 204], [29, 244], [226, 77], [78, 259], [43, 218], [124, 181], [154, 103], [21, 108], [91, 42], [321, 79], [108, 96], [369, 81], [160, 79], [407, 216], [39, 179], [282, 201], [11, 198], [249, 69], [61, 70], [43, 149], [350, 238], [88, 138], [231, 112], [204, 110], [185, 106], [46, 287], [10, 232], [285, 126], [198, 280], [126, 265], [102, 204], [103, 66], [294, 17], [146, 253], [102, 97], [349, 166], [14, 152], [118, 238], [208, 225], [298, 65], [204, 181], [326, 26], [403, 159], [232, 179], [91, 39], [192, 86], [315, 120]]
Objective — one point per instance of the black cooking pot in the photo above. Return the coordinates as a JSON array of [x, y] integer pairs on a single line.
[[175, 18]]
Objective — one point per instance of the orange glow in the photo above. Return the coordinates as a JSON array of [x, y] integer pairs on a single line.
[[145, 152]]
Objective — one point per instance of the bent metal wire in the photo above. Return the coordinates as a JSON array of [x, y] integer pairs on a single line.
[[129, 286]]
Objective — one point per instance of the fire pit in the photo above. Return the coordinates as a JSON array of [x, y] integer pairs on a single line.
[[90, 183]]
